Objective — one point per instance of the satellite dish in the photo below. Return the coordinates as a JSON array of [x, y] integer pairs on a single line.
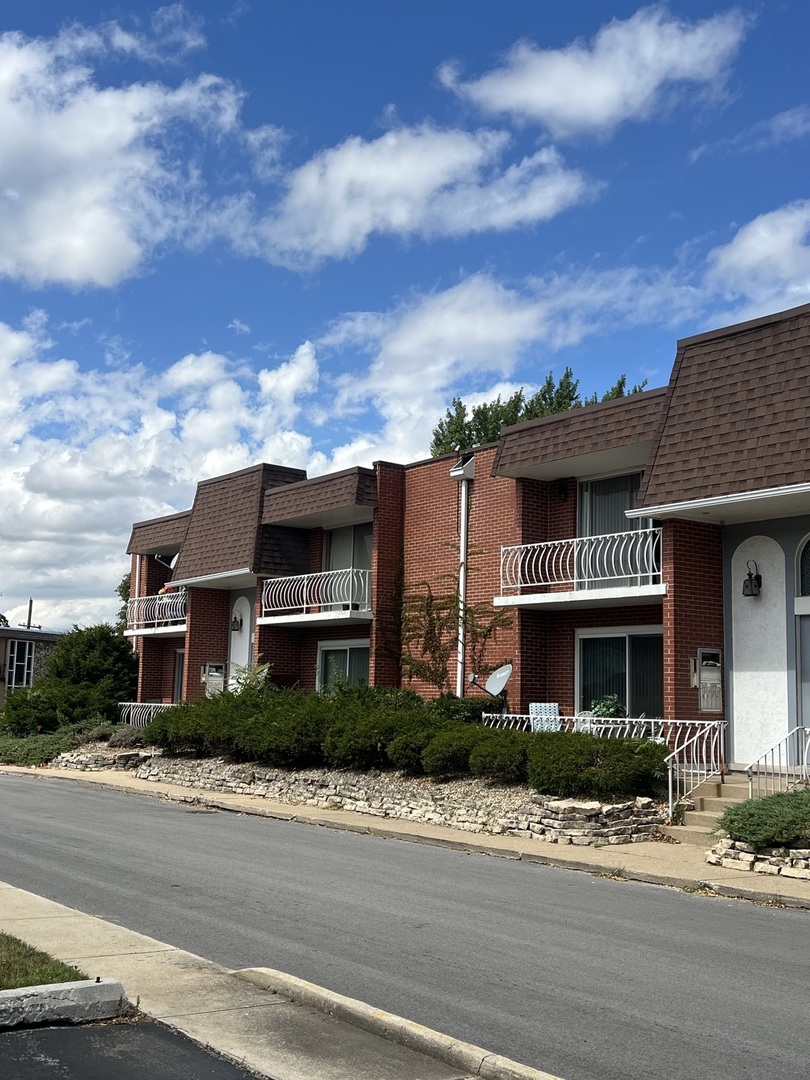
[[498, 680]]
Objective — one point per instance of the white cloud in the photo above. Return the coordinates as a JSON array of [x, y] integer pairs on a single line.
[[282, 386], [767, 263], [629, 71], [418, 181], [782, 128], [238, 326], [89, 191]]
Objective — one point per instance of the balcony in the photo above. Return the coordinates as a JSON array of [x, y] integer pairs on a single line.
[[334, 597], [585, 571], [163, 614]]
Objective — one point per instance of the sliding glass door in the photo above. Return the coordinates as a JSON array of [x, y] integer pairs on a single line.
[[629, 665]]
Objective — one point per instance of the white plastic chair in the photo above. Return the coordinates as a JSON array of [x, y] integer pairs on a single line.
[[544, 716]]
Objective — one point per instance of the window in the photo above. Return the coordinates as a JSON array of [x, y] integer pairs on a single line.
[[342, 661], [628, 663], [20, 663], [348, 548], [804, 571], [602, 504]]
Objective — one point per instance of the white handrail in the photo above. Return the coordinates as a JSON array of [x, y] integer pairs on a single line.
[[784, 766], [632, 557], [694, 758], [332, 589]]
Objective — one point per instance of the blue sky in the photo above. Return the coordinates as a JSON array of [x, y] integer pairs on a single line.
[[292, 232]]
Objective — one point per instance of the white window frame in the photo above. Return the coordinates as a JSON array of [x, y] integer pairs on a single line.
[[649, 630], [328, 646], [28, 663]]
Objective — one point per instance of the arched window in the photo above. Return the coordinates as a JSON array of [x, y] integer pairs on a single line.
[[804, 570]]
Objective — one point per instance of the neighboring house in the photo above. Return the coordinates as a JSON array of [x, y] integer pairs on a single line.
[[617, 538], [22, 655]]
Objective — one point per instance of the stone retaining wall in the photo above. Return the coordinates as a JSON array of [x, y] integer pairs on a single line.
[[737, 855], [472, 804]]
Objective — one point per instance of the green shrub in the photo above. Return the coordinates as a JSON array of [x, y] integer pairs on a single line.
[[448, 753], [405, 751], [566, 765], [361, 741], [502, 756], [781, 820], [36, 749], [125, 737], [49, 705], [463, 710]]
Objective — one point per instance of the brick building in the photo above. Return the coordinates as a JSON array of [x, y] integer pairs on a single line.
[[615, 539]]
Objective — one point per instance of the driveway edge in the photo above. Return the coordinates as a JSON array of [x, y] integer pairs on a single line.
[[473, 1059]]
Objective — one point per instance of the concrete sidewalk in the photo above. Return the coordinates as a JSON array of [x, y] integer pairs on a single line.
[[660, 863], [270, 1023]]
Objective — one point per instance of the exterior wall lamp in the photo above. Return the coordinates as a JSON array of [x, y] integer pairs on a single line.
[[236, 624], [752, 585]]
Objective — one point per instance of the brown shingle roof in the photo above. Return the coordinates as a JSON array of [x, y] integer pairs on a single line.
[[224, 532], [737, 412], [159, 535], [321, 497], [579, 433]]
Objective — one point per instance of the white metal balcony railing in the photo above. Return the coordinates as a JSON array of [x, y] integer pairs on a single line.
[[162, 609], [696, 746], [782, 768], [140, 713], [332, 590], [585, 562]]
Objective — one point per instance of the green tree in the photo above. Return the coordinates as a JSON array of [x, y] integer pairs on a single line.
[[461, 428], [87, 674], [3, 620], [122, 589]]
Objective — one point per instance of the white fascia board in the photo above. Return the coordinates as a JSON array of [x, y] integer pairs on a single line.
[[205, 578], [621, 595], [717, 502]]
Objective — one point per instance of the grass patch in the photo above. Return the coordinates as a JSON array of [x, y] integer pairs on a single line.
[[21, 965]]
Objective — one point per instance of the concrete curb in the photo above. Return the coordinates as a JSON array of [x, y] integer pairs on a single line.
[[63, 1003], [473, 1059]]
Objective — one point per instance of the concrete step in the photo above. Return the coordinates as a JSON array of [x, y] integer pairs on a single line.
[[696, 835], [718, 805], [703, 818]]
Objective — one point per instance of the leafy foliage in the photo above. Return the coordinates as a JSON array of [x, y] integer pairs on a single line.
[[781, 820], [86, 675], [123, 591], [567, 765], [36, 749], [430, 633], [460, 429]]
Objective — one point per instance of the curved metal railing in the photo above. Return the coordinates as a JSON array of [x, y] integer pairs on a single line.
[[140, 713], [585, 562], [697, 755], [162, 609], [332, 590]]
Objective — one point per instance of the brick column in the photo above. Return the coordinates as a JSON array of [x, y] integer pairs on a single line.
[[692, 556], [208, 626], [386, 576]]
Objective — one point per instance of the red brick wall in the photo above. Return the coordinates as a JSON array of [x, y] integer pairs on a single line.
[[431, 550], [280, 647], [692, 554], [157, 667], [208, 613], [386, 576], [548, 648]]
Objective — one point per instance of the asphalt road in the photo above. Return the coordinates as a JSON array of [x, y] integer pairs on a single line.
[[588, 978]]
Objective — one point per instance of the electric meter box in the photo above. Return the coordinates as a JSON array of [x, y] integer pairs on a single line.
[[707, 676], [213, 678]]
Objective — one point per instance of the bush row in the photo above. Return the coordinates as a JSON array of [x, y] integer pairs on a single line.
[[781, 820], [365, 729]]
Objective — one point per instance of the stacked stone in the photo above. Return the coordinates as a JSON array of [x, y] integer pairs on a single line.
[[738, 855], [565, 821], [96, 760], [471, 804]]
